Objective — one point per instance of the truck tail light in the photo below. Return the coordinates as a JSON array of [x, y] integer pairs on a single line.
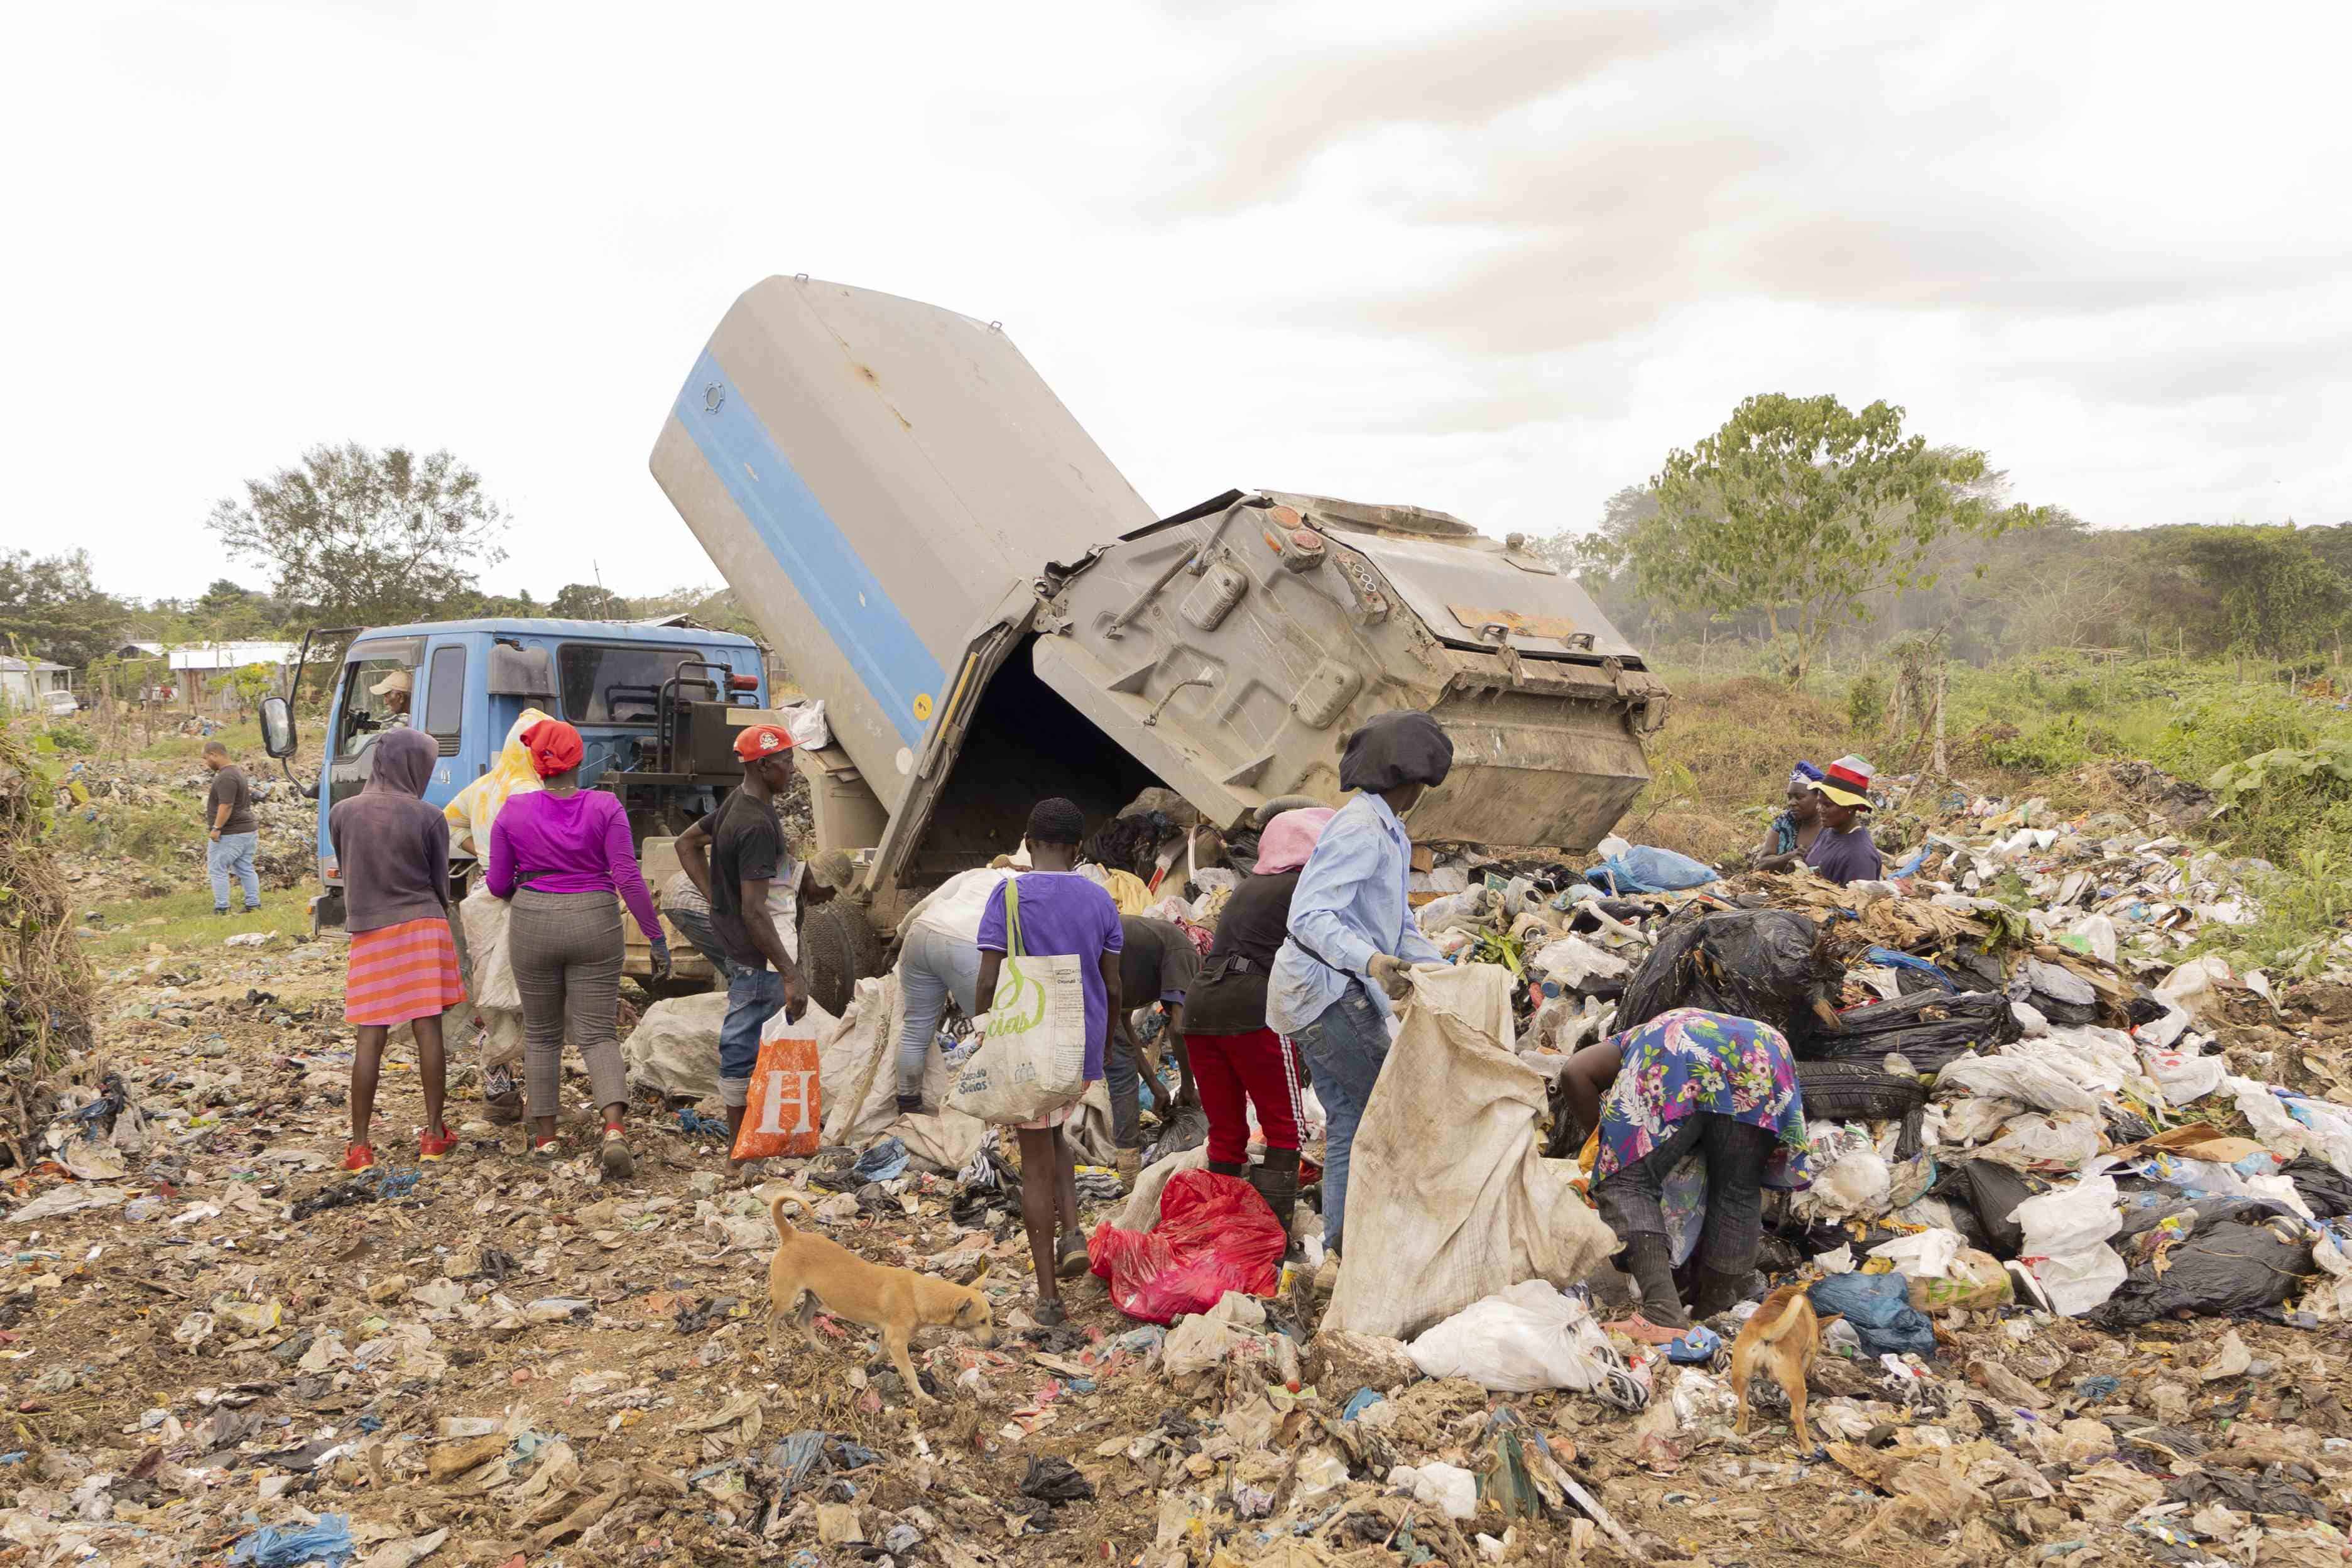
[[742, 683]]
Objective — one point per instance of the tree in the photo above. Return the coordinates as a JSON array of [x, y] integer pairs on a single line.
[[371, 538], [50, 607], [588, 602], [1802, 509], [2280, 596]]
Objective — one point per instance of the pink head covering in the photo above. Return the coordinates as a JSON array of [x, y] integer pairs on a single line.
[[1290, 838]]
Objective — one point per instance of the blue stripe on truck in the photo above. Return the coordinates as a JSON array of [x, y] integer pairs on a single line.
[[864, 621]]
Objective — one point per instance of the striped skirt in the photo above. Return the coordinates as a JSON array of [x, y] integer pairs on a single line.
[[402, 972]]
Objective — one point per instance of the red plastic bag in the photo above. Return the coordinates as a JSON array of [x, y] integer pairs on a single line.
[[786, 1106], [1214, 1235]]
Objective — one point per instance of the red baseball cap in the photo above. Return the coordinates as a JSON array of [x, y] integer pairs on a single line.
[[759, 740]]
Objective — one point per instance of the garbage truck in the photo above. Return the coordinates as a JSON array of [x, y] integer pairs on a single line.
[[992, 614]]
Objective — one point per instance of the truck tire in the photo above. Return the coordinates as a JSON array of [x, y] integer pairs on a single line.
[[838, 949]]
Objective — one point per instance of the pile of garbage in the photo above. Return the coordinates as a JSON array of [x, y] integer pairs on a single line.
[[2079, 1215]]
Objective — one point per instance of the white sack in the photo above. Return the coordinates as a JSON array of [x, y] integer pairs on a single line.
[[2195, 986], [1450, 1198], [1528, 1337], [486, 919], [2024, 1079], [674, 1049]]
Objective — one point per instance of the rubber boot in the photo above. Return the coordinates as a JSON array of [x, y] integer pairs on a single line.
[[1719, 1291], [1277, 1182], [1230, 1167], [1646, 1259]]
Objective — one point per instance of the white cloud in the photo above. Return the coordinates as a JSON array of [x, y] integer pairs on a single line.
[[1495, 262]]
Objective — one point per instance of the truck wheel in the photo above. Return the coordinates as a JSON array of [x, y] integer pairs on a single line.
[[838, 949]]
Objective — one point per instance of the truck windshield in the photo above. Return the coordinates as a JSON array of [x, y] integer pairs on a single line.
[[379, 685], [616, 683]]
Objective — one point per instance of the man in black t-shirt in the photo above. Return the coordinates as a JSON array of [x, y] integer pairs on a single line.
[[231, 832], [747, 852], [1156, 964]]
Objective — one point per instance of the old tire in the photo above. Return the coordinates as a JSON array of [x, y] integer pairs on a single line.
[[839, 947]]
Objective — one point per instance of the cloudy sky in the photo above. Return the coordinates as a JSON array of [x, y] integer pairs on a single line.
[[1493, 260]]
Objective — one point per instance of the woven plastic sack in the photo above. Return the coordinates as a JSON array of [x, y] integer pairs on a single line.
[[1214, 1235], [784, 1115], [1450, 1199]]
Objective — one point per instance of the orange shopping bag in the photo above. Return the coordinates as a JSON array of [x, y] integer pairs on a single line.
[[786, 1109]]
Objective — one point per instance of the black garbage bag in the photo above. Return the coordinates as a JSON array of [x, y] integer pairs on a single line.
[[1861, 1091], [2228, 1267], [1930, 1031], [1186, 1128], [1982, 1195], [2322, 1185], [1751, 964], [1055, 1481]]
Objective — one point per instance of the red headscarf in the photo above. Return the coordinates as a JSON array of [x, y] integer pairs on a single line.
[[554, 747]]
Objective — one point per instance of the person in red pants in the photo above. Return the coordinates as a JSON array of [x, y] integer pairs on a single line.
[[1237, 1061]]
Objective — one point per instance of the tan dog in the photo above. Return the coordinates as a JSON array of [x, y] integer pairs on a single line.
[[809, 1270], [1785, 1334]]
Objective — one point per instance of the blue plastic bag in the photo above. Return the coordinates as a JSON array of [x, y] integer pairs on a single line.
[[1879, 1307], [1645, 868], [272, 1546], [1889, 958]]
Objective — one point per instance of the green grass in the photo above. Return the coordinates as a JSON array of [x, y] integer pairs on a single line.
[[187, 922], [160, 835]]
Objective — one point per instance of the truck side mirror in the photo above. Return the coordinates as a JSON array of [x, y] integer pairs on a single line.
[[277, 728]]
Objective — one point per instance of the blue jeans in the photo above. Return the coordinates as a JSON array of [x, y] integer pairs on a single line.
[[1344, 1048], [695, 926], [231, 855], [934, 969], [753, 996]]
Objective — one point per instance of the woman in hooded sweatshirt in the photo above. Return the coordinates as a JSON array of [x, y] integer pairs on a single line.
[[1237, 1061], [394, 850], [561, 853]]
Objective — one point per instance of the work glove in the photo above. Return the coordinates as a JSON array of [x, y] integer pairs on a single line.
[[661, 961], [1391, 974]]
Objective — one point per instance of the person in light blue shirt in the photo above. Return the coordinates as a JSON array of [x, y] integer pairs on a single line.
[[1352, 934]]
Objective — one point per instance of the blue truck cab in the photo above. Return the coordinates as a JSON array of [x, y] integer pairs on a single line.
[[656, 706]]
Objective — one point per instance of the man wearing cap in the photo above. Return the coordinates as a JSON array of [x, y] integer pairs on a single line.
[[747, 854], [1843, 851], [392, 694], [1352, 937]]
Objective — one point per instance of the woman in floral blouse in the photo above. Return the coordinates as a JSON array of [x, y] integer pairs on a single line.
[[1696, 1113]]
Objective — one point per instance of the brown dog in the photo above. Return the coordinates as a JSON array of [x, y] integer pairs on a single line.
[[809, 1270], [1785, 1334]]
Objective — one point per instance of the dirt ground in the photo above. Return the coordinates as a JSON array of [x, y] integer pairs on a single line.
[[485, 1361]]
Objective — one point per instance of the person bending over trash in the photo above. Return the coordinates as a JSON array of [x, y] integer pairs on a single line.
[[558, 854], [1843, 851], [1696, 1113], [395, 853], [939, 963], [1157, 961], [746, 854], [1060, 913], [1794, 831], [1351, 935], [1237, 1061]]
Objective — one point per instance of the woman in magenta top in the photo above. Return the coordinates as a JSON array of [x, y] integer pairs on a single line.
[[561, 855]]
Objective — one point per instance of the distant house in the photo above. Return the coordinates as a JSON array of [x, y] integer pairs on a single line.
[[200, 670], [24, 682]]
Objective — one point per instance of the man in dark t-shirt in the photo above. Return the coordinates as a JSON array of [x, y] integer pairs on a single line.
[[1843, 851], [231, 832], [745, 853], [1157, 962]]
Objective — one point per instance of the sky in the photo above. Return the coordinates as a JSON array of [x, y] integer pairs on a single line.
[[1492, 259]]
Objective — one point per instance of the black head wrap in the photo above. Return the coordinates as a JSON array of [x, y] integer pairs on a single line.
[[1057, 821], [1394, 750]]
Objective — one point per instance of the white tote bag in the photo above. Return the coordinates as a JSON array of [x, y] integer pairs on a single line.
[[1034, 1056]]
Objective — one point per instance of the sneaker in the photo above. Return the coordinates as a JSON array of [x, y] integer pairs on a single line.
[[222, 912], [1073, 1260], [432, 1147], [359, 1156], [1050, 1314], [619, 1164], [546, 1151]]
